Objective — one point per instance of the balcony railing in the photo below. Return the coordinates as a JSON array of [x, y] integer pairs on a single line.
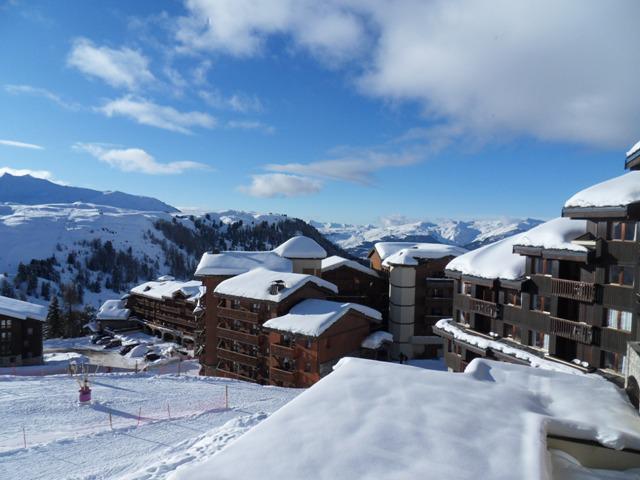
[[237, 376], [278, 350], [233, 313], [237, 357], [580, 332], [277, 375], [483, 307], [582, 291], [452, 360], [614, 340], [238, 336]]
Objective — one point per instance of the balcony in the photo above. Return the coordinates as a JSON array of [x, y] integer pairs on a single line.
[[614, 340], [238, 336], [278, 350], [238, 376], [580, 332], [234, 314], [284, 376], [581, 291], [483, 307], [237, 357]]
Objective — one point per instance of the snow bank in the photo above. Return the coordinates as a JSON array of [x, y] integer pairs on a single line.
[[497, 260], [374, 420], [22, 310], [422, 251], [256, 284], [236, 263], [113, 310], [313, 317], [334, 262], [300, 247], [159, 290], [376, 339], [616, 192]]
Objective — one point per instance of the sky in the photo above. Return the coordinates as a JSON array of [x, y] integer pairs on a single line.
[[343, 110]]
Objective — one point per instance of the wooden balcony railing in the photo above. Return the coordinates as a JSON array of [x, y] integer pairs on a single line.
[[614, 340], [277, 375], [237, 376], [582, 291], [580, 332], [233, 313], [238, 336], [483, 307], [237, 357], [278, 350]]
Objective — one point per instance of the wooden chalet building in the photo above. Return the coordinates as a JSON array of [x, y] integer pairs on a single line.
[[165, 308], [308, 341], [114, 316], [20, 332], [419, 294], [566, 291]]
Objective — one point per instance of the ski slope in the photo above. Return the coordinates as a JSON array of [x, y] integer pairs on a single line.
[[183, 418]]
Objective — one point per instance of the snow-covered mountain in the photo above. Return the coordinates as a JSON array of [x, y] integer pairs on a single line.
[[28, 190], [359, 239]]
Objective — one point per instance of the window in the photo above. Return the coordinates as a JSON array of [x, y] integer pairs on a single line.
[[618, 319], [507, 331], [613, 361], [622, 231], [539, 340], [465, 288], [255, 307], [30, 331], [307, 367], [5, 324], [542, 266], [620, 275], [464, 317], [5, 336], [512, 297], [541, 303]]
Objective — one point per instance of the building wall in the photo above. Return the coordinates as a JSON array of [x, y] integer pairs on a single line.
[[20, 341], [308, 266], [360, 287]]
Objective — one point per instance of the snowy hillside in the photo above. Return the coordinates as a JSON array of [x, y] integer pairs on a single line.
[[358, 239]]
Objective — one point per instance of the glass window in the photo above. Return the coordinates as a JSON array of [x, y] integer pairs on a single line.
[[465, 288], [623, 231], [512, 297], [613, 361], [508, 331], [621, 275], [539, 340], [541, 303], [618, 319]]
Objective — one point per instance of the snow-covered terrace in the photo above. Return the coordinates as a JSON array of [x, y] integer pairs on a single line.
[[378, 420], [313, 317], [334, 262], [615, 193], [411, 255], [160, 290], [20, 310]]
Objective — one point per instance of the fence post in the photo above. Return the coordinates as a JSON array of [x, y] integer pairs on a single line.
[[179, 365], [110, 421], [139, 414], [169, 411], [226, 397], [24, 437]]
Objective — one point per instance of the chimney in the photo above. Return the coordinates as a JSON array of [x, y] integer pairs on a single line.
[[276, 287]]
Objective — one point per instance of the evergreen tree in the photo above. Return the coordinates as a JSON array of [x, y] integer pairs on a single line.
[[53, 326], [45, 290]]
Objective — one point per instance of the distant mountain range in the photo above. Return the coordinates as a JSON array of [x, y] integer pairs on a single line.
[[27, 190], [359, 239]]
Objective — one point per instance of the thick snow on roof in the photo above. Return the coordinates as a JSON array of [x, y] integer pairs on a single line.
[[376, 339], [300, 247], [22, 310], [422, 251], [257, 282], [615, 192], [633, 149], [497, 260], [113, 310], [313, 317], [377, 420], [385, 249], [159, 290], [335, 261], [237, 262]]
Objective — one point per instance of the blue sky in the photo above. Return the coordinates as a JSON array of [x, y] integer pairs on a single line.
[[343, 110]]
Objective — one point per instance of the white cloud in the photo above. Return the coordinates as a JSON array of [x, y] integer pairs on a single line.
[[136, 160], [121, 67], [41, 92], [272, 185], [19, 172], [251, 125], [149, 113], [553, 71], [238, 102], [13, 143]]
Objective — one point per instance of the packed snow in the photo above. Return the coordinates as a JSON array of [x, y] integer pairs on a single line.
[[238, 262], [375, 420], [300, 247], [616, 192], [256, 284], [334, 262], [313, 317], [376, 339], [53, 363], [411, 256], [183, 419], [160, 290], [497, 260], [113, 310], [22, 310]]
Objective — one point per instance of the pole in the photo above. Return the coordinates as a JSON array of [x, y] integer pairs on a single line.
[[179, 365], [169, 411], [24, 437], [110, 421], [139, 414], [226, 397]]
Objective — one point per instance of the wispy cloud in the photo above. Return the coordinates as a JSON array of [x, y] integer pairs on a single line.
[[237, 102], [13, 143], [251, 125], [272, 185], [121, 67], [136, 160], [42, 93], [148, 113], [19, 172]]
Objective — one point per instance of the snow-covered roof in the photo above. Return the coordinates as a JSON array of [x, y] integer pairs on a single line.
[[376, 339], [497, 260], [237, 262], [633, 149], [422, 251], [113, 310], [22, 310], [313, 317], [615, 192], [335, 261], [168, 289], [388, 420], [256, 284], [300, 247]]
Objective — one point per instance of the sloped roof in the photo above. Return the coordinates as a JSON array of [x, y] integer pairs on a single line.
[[237, 262], [333, 262], [22, 310], [113, 310], [615, 192]]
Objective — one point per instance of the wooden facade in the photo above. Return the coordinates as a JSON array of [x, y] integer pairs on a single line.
[[20, 341]]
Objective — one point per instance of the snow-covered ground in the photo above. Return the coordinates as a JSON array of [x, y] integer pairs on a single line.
[[183, 420], [54, 363]]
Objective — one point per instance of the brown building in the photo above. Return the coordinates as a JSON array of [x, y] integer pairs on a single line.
[[165, 308], [308, 341], [419, 294], [20, 332]]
